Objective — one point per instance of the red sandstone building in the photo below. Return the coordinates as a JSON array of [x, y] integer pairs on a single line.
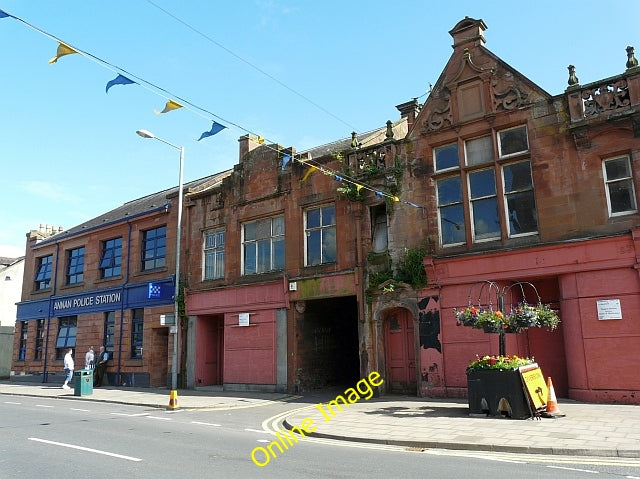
[[307, 270]]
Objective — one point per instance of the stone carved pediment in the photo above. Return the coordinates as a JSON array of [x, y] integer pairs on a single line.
[[437, 111], [507, 93]]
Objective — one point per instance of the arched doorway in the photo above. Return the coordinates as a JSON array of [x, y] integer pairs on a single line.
[[400, 356]]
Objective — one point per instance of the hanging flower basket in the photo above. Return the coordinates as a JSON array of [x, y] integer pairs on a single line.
[[525, 315]]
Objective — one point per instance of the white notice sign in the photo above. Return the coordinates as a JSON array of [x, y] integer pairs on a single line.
[[243, 319], [609, 309]]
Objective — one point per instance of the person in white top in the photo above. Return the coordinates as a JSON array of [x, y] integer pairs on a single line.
[[89, 358], [68, 368]]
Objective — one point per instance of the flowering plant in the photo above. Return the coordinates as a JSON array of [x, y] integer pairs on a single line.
[[480, 318], [525, 315], [498, 362]]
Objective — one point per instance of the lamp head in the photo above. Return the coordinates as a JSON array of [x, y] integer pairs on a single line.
[[145, 134]]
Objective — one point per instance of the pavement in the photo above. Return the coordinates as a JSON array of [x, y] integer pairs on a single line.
[[604, 430]]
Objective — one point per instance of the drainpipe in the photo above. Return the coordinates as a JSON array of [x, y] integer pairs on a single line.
[[45, 374], [122, 304]]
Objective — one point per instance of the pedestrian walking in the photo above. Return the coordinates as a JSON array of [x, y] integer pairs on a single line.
[[100, 367], [68, 368], [89, 358]]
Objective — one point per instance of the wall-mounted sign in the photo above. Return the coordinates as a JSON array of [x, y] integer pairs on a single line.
[[243, 319], [609, 309]]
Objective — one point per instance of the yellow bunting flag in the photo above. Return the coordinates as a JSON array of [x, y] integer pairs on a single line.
[[62, 51], [395, 198], [308, 173], [358, 187], [171, 105], [260, 140]]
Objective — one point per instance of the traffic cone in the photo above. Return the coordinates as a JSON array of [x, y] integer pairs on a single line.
[[173, 400], [552, 403]]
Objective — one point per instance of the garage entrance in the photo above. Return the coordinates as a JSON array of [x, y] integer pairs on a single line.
[[327, 344]]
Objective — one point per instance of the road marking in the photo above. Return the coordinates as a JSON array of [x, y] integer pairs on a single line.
[[263, 440], [129, 415], [82, 410], [160, 418], [258, 430], [11, 402], [497, 459], [42, 405], [87, 449], [573, 469], [206, 423]]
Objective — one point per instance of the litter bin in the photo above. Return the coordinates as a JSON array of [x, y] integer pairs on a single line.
[[83, 382]]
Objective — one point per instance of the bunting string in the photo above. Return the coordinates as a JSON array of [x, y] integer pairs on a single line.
[[174, 102]]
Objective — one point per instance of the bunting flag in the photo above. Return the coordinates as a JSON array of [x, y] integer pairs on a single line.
[[4, 14], [119, 80], [171, 105], [215, 128], [358, 187], [379, 194], [285, 159], [413, 204], [337, 177], [62, 51], [308, 173], [260, 140], [395, 198]]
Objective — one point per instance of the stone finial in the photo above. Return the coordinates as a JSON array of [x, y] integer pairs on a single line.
[[631, 59], [573, 79], [389, 134], [354, 139]]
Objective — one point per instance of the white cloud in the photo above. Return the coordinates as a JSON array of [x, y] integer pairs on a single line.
[[11, 251]]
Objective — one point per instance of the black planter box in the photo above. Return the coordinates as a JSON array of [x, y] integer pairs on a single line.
[[497, 392]]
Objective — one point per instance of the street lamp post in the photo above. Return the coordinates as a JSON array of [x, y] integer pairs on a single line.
[[176, 294]]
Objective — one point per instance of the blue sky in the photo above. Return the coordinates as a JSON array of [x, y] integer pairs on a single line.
[[69, 151]]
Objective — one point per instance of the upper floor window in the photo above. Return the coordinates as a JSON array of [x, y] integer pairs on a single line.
[[450, 210], [446, 157], [263, 245], [67, 327], [43, 273], [379, 233], [154, 248], [75, 265], [320, 235], [621, 196], [214, 254], [520, 203], [111, 259], [513, 141], [486, 181], [484, 205]]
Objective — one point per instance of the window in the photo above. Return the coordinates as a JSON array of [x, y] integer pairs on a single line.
[[479, 201], [379, 236], [446, 157], [513, 141], [67, 326], [43, 273], [75, 265], [137, 324], [214, 254], [22, 350], [621, 197], [520, 203], [320, 234], [111, 259], [484, 205], [109, 326], [450, 210], [478, 151], [154, 246], [39, 339], [263, 245]]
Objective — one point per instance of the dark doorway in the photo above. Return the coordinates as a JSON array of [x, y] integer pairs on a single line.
[[327, 336]]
